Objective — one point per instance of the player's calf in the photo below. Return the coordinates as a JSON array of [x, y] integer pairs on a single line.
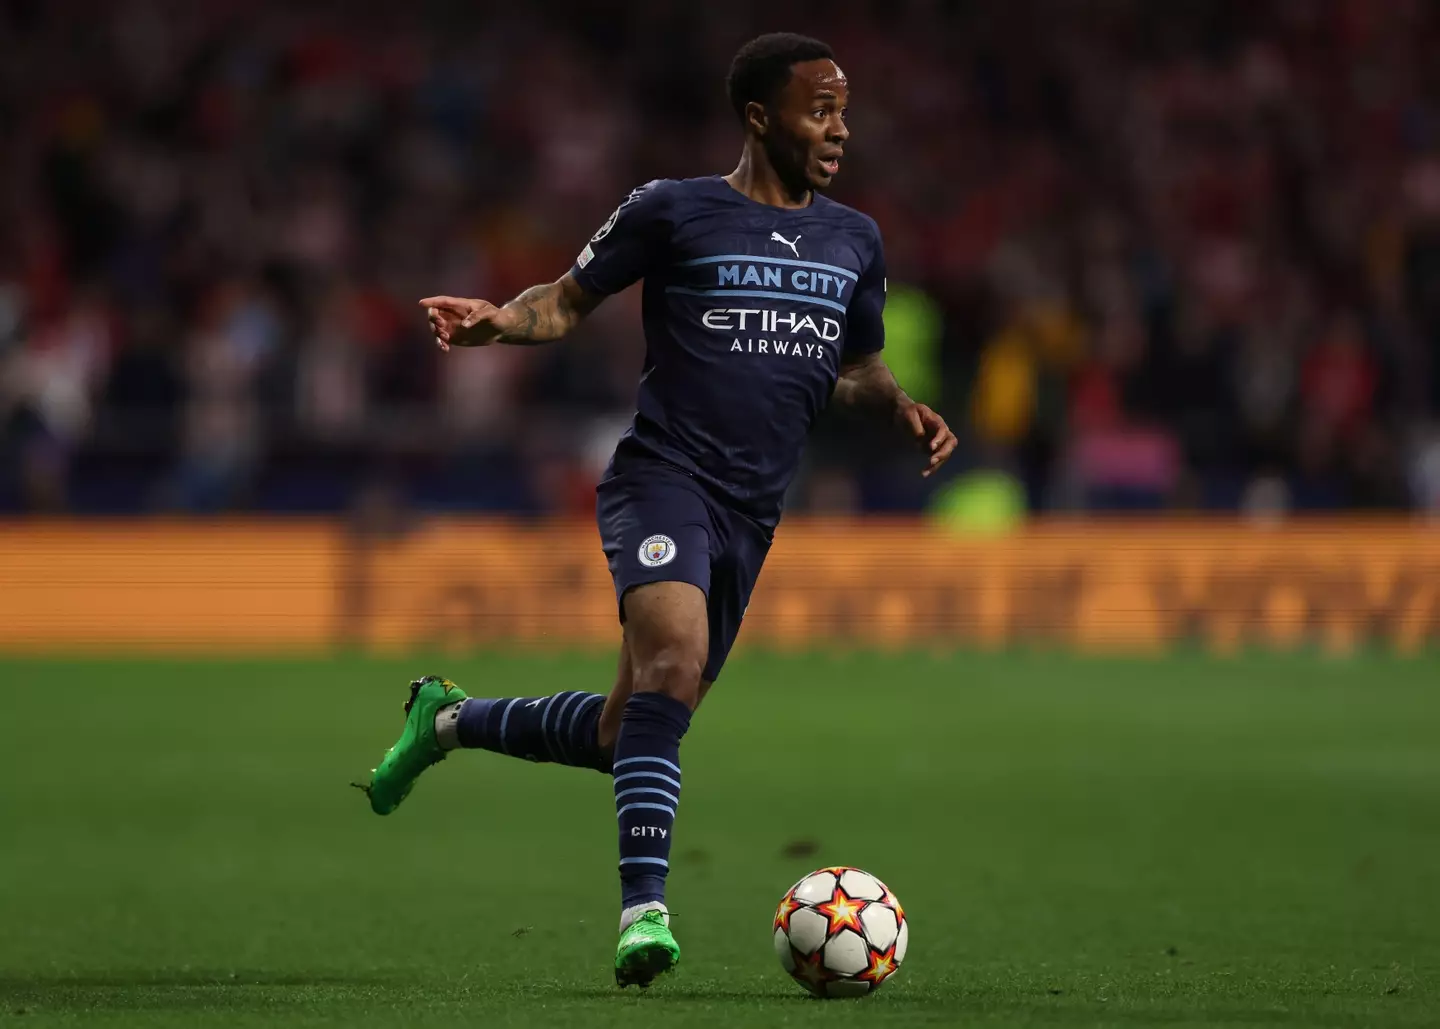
[[665, 632], [562, 728]]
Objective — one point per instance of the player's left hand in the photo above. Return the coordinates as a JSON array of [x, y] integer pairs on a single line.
[[931, 432]]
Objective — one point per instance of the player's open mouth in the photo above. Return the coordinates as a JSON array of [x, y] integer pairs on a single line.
[[831, 165]]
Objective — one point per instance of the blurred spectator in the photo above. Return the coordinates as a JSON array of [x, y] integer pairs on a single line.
[[1153, 254]]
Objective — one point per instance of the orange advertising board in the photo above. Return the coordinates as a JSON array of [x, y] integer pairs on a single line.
[[275, 585], [1091, 586], [162, 585]]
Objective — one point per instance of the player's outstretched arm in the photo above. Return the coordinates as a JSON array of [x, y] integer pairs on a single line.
[[538, 315], [868, 385]]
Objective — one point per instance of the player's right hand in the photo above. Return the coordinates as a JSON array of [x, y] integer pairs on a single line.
[[459, 322]]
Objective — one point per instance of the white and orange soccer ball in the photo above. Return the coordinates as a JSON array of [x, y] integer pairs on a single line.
[[840, 932]]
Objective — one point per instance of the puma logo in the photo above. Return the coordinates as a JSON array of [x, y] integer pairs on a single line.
[[775, 237], [535, 702]]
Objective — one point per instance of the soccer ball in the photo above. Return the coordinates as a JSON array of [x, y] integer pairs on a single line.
[[840, 932]]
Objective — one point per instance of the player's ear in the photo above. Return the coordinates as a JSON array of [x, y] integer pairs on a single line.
[[757, 118]]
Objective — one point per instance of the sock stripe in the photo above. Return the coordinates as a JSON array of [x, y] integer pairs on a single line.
[[645, 861], [639, 790], [561, 727], [648, 775], [647, 807], [658, 760], [504, 721], [649, 745], [588, 702], [560, 740], [653, 782], [544, 720]]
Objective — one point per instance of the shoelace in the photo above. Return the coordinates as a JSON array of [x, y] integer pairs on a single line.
[[652, 920]]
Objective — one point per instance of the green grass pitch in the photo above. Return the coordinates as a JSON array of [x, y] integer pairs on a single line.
[[1179, 842]]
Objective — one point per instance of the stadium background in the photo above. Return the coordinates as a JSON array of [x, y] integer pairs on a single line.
[[1171, 271]]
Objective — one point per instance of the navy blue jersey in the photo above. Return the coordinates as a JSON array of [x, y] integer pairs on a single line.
[[749, 311]]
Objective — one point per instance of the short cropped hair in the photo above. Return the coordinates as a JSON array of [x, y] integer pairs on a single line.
[[761, 68]]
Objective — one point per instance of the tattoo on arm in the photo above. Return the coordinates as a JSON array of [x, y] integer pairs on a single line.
[[541, 316], [548, 311], [869, 386]]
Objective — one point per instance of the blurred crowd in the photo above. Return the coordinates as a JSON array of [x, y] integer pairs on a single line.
[[1179, 255]]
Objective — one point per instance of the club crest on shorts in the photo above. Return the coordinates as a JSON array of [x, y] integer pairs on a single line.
[[657, 551]]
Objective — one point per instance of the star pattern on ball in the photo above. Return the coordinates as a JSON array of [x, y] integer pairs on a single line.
[[892, 901], [843, 912], [782, 915], [882, 963], [810, 968]]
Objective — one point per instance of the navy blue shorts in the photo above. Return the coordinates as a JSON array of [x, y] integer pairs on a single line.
[[657, 524]]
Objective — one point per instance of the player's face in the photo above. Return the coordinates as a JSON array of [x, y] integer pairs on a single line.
[[810, 133]]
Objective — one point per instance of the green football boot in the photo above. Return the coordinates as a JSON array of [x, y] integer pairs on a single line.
[[647, 949], [416, 749]]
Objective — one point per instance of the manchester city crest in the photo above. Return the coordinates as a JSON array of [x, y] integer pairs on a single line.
[[657, 551]]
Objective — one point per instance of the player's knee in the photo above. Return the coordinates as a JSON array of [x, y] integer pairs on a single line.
[[674, 671]]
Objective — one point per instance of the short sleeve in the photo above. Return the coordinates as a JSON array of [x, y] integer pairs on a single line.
[[865, 317], [627, 246]]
